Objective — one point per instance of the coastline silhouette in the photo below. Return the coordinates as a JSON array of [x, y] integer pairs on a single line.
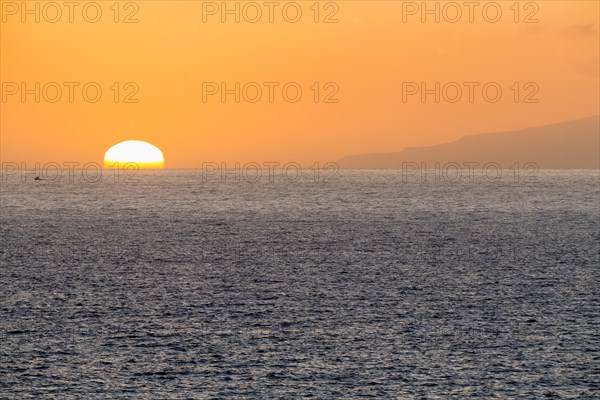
[[566, 145]]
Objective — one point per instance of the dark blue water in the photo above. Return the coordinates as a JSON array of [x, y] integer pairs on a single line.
[[363, 286]]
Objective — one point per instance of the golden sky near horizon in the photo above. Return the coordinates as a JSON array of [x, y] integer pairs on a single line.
[[358, 75]]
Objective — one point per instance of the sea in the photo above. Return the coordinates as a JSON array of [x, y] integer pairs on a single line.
[[281, 284]]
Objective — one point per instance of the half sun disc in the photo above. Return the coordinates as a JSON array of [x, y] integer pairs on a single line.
[[142, 154]]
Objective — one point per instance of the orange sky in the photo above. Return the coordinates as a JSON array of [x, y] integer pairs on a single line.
[[368, 54]]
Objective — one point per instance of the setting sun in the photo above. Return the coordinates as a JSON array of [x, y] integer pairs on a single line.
[[319, 199], [143, 154]]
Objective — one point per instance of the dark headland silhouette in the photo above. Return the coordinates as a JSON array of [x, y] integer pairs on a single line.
[[567, 145]]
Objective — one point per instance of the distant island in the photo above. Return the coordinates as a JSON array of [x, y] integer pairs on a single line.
[[567, 145]]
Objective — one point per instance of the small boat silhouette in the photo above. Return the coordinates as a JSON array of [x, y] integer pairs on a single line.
[[37, 178]]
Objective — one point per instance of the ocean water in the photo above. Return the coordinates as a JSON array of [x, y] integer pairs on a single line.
[[360, 284]]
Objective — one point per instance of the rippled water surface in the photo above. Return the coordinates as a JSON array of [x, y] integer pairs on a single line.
[[360, 286]]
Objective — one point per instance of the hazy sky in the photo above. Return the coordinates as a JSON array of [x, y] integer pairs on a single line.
[[370, 61]]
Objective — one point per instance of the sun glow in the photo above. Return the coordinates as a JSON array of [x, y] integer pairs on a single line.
[[143, 154]]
